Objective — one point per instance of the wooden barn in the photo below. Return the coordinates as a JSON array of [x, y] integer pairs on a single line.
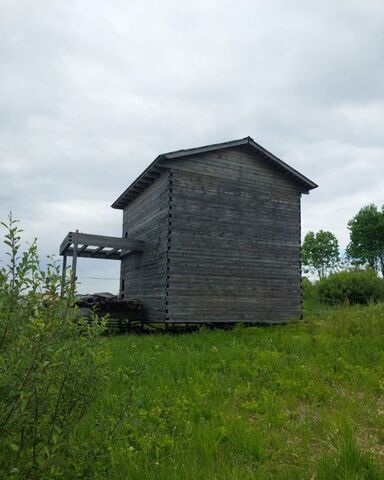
[[210, 234]]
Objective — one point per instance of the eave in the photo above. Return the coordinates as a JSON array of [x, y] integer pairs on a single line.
[[155, 169]]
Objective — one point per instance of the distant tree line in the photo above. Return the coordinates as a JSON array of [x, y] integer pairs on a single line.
[[321, 252]]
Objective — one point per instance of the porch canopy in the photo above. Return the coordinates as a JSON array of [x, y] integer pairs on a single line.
[[98, 246], [86, 245]]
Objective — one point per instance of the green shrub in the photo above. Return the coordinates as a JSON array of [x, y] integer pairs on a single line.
[[309, 289], [352, 286], [52, 366]]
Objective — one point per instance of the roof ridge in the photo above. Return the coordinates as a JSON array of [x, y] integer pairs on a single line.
[[142, 182]]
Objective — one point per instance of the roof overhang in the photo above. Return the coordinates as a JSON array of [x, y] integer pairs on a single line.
[[155, 169]]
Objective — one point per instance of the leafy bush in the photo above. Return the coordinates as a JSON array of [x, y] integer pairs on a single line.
[[352, 286], [308, 289], [51, 368]]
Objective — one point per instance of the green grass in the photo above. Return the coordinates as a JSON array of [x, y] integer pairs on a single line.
[[300, 401]]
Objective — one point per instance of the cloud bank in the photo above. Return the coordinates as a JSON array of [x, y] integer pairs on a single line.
[[92, 91]]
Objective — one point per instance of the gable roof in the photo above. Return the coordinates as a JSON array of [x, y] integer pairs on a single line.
[[155, 169]]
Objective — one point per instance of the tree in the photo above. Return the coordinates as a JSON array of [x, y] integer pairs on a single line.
[[367, 238], [320, 252]]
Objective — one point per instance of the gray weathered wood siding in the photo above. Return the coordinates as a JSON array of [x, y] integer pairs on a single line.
[[234, 241], [144, 273]]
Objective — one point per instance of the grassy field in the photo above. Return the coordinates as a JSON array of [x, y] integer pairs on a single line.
[[300, 401]]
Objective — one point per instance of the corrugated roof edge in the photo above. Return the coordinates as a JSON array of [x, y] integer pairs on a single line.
[[123, 200]]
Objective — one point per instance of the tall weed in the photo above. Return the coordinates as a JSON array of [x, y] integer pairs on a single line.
[[52, 366], [347, 461]]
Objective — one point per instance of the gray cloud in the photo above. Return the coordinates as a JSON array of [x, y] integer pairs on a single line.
[[92, 91]]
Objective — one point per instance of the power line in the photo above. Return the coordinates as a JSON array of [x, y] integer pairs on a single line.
[[99, 278]]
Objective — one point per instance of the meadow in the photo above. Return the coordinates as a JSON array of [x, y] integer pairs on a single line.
[[297, 401]]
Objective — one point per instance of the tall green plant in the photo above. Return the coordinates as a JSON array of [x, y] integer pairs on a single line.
[[52, 365], [367, 238], [320, 252]]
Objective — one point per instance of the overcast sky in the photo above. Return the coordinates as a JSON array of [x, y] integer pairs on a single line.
[[91, 91]]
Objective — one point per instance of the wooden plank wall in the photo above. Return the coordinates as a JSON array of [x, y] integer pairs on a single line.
[[235, 240], [144, 273]]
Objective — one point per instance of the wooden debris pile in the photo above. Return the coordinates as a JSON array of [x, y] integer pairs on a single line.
[[122, 314]]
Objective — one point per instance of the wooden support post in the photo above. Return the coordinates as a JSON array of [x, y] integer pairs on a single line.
[[74, 259], [63, 275]]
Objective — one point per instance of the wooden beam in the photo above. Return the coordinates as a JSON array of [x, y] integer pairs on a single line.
[[74, 259], [145, 181], [158, 169], [63, 274], [104, 241], [66, 243], [101, 255], [113, 251], [153, 175]]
